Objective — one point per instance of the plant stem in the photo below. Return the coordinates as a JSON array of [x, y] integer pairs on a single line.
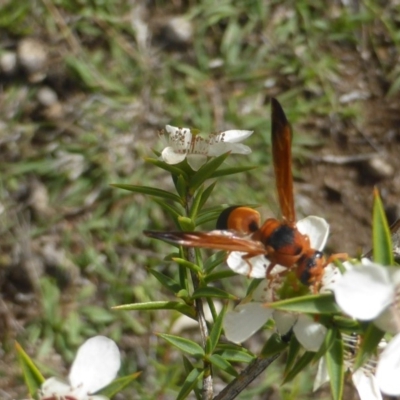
[[240, 383], [208, 391]]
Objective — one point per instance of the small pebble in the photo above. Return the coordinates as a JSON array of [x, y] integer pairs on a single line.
[[8, 62]]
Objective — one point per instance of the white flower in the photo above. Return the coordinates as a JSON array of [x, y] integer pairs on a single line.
[[316, 228], [182, 143], [248, 318], [368, 292], [388, 369], [363, 378], [95, 366]]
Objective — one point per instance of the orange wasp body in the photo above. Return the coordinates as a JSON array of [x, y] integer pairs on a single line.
[[238, 228]]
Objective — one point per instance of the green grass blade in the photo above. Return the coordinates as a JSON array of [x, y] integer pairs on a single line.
[[32, 376]]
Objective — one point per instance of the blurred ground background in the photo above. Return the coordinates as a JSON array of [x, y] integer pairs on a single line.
[[85, 87]]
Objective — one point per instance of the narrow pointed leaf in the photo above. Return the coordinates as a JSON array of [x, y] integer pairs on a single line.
[[172, 211], [189, 368], [217, 276], [118, 384], [336, 370], [195, 208], [206, 171], [187, 264], [237, 356], [382, 241], [213, 292], [186, 224], [274, 345], [151, 191], [294, 349], [214, 260], [216, 330], [190, 383], [300, 364], [32, 376], [206, 194], [173, 169], [312, 304], [222, 364], [231, 171], [330, 337], [183, 344], [166, 281], [371, 339], [181, 186], [158, 305]]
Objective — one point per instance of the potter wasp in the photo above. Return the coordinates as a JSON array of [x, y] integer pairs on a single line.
[[278, 242]]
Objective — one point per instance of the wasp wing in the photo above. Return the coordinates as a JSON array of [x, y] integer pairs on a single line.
[[217, 239], [282, 159]]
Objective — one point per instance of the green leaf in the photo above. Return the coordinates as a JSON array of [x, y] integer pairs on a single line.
[[336, 370], [294, 349], [166, 281], [300, 364], [312, 304], [214, 260], [222, 364], [187, 264], [345, 323], [181, 186], [186, 224], [173, 169], [369, 344], [235, 355], [188, 368], [330, 337], [213, 292], [209, 215], [170, 209], [32, 376], [231, 171], [206, 194], [151, 191], [216, 330], [382, 241], [217, 276], [195, 208], [274, 345], [158, 305], [183, 344], [118, 384], [206, 171], [190, 383]]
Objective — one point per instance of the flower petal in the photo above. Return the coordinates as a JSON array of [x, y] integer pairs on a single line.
[[95, 366], [234, 136], [53, 387], [387, 321], [309, 333], [284, 321], [217, 149], [245, 320], [388, 370], [254, 267], [366, 385], [322, 374], [364, 292], [317, 230], [263, 292], [196, 160], [170, 156]]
